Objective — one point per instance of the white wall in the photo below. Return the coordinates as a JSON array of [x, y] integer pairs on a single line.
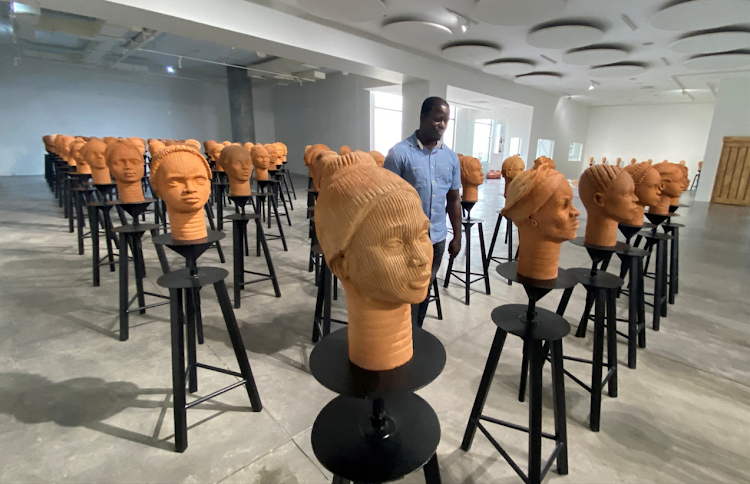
[[335, 112], [659, 132], [40, 97], [564, 121], [731, 118]]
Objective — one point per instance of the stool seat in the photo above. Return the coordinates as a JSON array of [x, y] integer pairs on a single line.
[[657, 235], [87, 188], [135, 229], [242, 216], [603, 280], [547, 326], [181, 278], [632, 252], [465, 220]]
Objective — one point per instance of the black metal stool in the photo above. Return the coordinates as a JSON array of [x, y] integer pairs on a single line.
[[433, 295], [275, 176], [601, 292], [74, 180], [220, 189], [660, 274], [239, 233], [673, 229], [290, 182], [312, 197], [281, 173], [540, 329], [184, 286], [82, 195], [508, 241], [266, 195], [468, 223], [326, 283], [130, 235]]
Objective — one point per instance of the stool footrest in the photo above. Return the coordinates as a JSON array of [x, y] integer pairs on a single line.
[[215, 394], [511, 425], [147, 306]]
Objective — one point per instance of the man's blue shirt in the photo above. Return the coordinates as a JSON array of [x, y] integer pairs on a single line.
[[432, 173]]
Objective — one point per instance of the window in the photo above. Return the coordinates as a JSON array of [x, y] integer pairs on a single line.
[[498, 144], [449, 138], [516, 144], [545, 147], [386, 120], [576, 149], [482, 139]]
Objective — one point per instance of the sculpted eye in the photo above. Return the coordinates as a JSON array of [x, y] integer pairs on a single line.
[[394, 244]]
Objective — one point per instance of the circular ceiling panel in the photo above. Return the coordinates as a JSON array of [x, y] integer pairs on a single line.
[[591, 56], [344, 10], [724, 60], [713, 42], [504, 67], [470, 53], [539, 79], [518, 12], [417, 33], [622, 69], [564, 36], [701, 14]]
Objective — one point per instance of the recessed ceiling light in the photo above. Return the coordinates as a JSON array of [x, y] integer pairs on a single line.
[[170, 69]]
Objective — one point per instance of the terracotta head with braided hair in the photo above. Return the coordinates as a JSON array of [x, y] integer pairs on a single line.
[[608, 193], [181, 177], [671, 179], [648, 187], [375, 238], [126, 166], [540, 202]]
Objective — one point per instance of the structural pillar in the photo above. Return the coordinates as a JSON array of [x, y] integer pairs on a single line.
[[413, 95], [241, 114]]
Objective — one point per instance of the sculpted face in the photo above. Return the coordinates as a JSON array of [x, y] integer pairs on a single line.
[[620, 202], [237, 163], [512, 167], [671, 177], [261, 158], [648, 190], [685, 179], [557, 220], [94, 154], [184, 185], [215, 151], [273, 154], [126, 163], [475, 174], [75, 151]]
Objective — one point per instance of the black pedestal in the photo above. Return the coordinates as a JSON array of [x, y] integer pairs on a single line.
[[268, 194], [508, 241], [377, 430], [111, 240], [467, 274], [327, 283], [185, 314]]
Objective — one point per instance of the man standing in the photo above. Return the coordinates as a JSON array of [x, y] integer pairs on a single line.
[[433, 169]]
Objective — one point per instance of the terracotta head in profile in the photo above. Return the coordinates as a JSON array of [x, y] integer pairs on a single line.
[[249, 146], [281, 149], [261, 161], [311, 154], [608, 193], [378, 157], [647, 188], [181, 177], [512, 167], [94, 153], [375, 238], [126, 166], [273, 155], [546, 161], [671, 179], [633, 161], [540, 203], [193, 143], [49, 142], [345, 150], [472, 175], [75, 153], [63, 142], [238, 165]]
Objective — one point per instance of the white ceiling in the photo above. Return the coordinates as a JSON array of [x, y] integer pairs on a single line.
[[654, 71]]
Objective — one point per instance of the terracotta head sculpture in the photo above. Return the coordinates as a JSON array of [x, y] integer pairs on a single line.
[[591, 161], [64, 143], [671, 178], [608, 193], [49, 142], [700, 166], [181, 177], [93, 153], [633, 161], [155, 146], [125, 163], [684, 183], [330, 165], [281, 149], [345, 150], [647, 188], [193, 143], [139, 143], [109, 140], [215, 154], [248, 146], [545, 160], [472, 175], [311, 154], [226, 143], [682, 163], [273, 155], [75, 153], [378, 157], [619, 163], [261, 162], [238, 165], [375, 238], [540, 203], [604, 160], [512, 167]]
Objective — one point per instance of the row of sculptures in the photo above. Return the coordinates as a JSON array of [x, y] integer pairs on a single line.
[[633, 161]]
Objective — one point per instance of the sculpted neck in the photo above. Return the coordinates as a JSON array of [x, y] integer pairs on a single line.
[[187, 226], [471, 193], [600, 230], [261, 175], [379, 332], [83, 169], [661, 208], [239, 188], [101, 177], [537, 258], [130, 191]]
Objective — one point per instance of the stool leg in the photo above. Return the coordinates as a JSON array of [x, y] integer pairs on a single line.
[[178, 370], [160, 254], [581, 332], [326, 278], [318, 313], [237, 344], [485, 262], [124, 326], [494, 238], [638, 267], [79, 221], [192, 358], [665, 280], [111, 240], [598, 360], [484, 388], [558, 395], [524, 372], [467, 274], [536, 357], [612, 341], [449, 271], [94, 219], [437, 299], [340, 480], [220, 207], [432, 471], [658, 286], [139, 272], [239, 269], [672, 267], [267, 253], [564, 300], [278, 222], [632, 313], [676, 246], [509, 237]]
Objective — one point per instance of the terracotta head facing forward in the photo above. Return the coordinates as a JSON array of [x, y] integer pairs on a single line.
[[261, 162], [238, 165], [125, 163], [94, 152]]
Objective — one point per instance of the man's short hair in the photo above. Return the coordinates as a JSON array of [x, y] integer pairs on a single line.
[[431, 102]]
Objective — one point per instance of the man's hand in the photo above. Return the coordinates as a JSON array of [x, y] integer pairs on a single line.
[[455, 246]]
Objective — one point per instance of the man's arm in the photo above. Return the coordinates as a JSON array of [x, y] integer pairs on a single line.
[[393, 163], [454, 213]]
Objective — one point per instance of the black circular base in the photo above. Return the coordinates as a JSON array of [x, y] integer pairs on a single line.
[[471, 221], [125, 205], [580, 241], [330, 365], [166, 239], [548, 326], [345, 442], [673, 225], [603, 280], [181, 278], [242, 217], [135, 229], [564, 280], [632, 252], [316, 249]]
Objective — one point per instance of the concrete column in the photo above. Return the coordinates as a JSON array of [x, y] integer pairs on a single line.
[[241, 105], [413, 95], [731, 118]]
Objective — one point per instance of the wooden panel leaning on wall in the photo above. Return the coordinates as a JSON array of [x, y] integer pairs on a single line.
[[732, 183]]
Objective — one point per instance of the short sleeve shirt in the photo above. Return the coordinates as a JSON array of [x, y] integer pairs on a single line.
[[432, 173]]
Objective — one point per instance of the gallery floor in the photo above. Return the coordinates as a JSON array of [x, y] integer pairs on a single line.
[[79, 406]]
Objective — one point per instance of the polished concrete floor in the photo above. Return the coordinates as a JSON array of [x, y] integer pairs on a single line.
[[79, 406]]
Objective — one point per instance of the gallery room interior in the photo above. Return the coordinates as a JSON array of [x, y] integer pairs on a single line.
[[366, 241]]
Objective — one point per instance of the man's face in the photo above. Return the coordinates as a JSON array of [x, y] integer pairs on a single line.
[[434, 123]]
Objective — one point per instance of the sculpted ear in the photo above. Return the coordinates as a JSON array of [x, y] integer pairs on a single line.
[[340, 267], [599, 199]]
